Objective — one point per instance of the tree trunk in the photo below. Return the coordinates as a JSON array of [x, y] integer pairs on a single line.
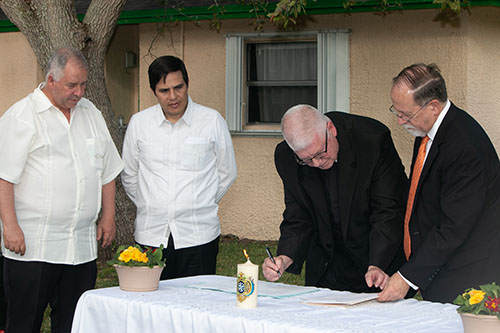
[[51, 24]]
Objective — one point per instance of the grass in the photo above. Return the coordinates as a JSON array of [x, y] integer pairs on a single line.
[[230, 254]]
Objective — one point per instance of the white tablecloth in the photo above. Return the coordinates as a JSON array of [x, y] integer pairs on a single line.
[[178, 307]]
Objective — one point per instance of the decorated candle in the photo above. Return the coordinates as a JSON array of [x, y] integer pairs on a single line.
[[246, 284]]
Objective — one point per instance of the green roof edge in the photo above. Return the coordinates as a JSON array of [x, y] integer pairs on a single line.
[[314, 7]]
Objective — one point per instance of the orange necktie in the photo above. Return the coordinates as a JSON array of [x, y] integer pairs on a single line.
[[417, 170]]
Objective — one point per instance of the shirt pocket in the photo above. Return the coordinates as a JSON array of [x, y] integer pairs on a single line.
[[151, 156], [95, 150], [195, 153]]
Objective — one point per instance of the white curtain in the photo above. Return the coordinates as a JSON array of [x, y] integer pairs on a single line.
[[285, 64]]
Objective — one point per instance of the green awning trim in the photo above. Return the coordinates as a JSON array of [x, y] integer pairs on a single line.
[[246, 12]]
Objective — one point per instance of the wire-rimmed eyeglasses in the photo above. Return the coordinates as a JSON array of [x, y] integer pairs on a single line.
[[308, 161], [404, 117]]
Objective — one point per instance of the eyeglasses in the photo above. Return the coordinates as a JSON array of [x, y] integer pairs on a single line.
[[406, 118], [308, 161]]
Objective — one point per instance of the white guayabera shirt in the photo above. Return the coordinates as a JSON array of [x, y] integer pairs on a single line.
[[58, 169], [177, 173]]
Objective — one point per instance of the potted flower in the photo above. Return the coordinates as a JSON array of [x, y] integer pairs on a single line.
[[138, 269], [480, 309]]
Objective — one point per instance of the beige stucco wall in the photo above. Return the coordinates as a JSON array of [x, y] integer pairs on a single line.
[[123, 82], [19, 69], [21, 73], [481, 90], [252, 207], [380, 47]]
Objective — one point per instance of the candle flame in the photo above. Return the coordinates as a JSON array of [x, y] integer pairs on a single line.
[[246, 254]]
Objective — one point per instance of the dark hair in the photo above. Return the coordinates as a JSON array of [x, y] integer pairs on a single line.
[[425, 81], [159, 69]]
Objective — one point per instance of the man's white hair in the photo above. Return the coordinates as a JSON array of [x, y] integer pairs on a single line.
[[300, 124], [57, 62]]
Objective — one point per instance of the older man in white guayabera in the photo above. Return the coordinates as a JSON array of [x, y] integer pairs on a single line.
[[58, 166]]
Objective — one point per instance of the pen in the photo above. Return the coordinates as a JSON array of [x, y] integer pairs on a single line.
[[270, 255]]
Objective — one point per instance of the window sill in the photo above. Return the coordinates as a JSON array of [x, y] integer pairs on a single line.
[[260, 134]]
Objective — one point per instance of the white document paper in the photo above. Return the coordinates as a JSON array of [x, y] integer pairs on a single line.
[[264, 288], [340, 298]]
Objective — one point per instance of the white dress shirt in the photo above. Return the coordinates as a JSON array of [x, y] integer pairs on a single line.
[[57, 168], [433, 131], [176, 173]]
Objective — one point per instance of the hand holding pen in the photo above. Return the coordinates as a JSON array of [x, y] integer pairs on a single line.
[[270, 255]]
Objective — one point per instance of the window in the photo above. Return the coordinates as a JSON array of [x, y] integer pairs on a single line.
[[268, 73], [278, 76]]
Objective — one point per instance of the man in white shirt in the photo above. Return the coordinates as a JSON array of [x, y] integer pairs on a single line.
[[179, 162], [58, 164]]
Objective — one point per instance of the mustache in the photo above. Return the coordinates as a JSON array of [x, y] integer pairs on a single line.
[[414, 131]]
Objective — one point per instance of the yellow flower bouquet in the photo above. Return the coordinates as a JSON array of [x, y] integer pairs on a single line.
[[485, 301], [134, 256]]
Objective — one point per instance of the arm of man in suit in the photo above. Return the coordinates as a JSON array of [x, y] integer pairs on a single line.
[[296, 228], [396, 288], [376, 277], [388, 191], [459, 183]]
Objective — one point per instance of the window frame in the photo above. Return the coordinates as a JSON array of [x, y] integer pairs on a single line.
[[333, 84]]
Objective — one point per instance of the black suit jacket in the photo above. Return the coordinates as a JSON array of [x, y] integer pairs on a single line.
[[372, 190], [455, 222]]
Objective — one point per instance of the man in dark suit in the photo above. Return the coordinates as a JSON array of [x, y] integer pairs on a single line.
[[453, 232], [345, 191]]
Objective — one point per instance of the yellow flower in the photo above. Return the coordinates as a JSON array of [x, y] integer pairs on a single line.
[[476, 296], [134, 254]]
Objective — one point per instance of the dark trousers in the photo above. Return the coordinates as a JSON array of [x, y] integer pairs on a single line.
[[3, 301], [31, 285], [190, 261]]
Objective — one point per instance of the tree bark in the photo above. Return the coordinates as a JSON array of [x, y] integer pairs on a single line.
[[51, 24]]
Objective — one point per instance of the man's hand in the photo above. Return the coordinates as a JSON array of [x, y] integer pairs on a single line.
[[395, 289], [270, 270], [13, 238], [106, 230], [376, 277]]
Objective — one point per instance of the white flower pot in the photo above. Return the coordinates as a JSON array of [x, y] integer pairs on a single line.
[[480, 323], [140, 278]]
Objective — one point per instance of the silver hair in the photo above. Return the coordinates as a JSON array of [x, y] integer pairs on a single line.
[[425, 81], [58, 60], [300, 124]]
